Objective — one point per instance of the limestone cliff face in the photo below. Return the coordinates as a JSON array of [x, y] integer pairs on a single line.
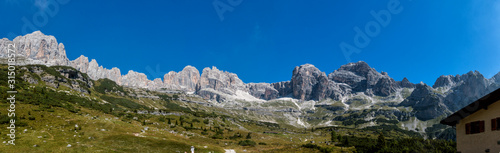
[[184, 80], [405, 83], [262, 91], [427, 104], [95, 71], [362, 78], [135, 79], [308, 82], [37, 48], [81, 64], [284, 88], [218, 81], [466, 89]]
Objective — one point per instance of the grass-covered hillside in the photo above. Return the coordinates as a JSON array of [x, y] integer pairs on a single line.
[[59, 109]]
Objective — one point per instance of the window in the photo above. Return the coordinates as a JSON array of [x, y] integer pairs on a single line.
[[495, 124], [474, 127]]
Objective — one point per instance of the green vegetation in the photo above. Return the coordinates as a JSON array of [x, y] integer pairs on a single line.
[[123, 102], [247, 143], [105, 120], [106, 85]]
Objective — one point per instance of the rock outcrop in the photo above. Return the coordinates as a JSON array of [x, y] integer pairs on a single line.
[[284, 88], [362, 78], [262, 91], [184, 80], [467, 88], [405, 83], [308, 82], [135, 79], [218, 81], [385, 86], [446, 81], [37, 48], [426, 103], [95, 71]]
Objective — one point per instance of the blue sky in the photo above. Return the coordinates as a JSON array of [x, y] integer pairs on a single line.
[[262, 40]]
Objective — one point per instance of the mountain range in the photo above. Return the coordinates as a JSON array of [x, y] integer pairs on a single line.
[[354, 92]]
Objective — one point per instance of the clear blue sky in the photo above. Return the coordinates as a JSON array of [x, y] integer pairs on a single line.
[[262, 40]]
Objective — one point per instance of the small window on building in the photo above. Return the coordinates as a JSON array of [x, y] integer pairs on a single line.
[[495, 124], [474, 127]]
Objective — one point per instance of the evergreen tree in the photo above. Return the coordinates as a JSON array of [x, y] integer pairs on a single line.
[[346, 142], [169, 121], [249, 135], [333, 136], [381, 141]]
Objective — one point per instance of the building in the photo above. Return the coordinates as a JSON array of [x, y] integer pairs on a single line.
[[478, 125]]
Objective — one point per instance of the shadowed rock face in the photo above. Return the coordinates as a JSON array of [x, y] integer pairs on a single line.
[[284, 88], [385, 86], [308, 82], [426, 103], [361, 78], [359, 75], [262, 91], [405, 83], [467, 88], [445, 81]]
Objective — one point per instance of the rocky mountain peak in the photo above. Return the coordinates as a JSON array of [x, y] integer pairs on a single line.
[[360, 76], [216, 79], [308, 82], [427, 103], [496, 78], [135, 79], [39, 48], [405, 83], [184, 80], [81, 63], [444, 80], [360, 68]]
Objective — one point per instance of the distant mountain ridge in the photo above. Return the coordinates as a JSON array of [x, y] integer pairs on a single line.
[[448, 94]]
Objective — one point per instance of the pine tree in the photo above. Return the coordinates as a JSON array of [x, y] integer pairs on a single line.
[[346, 141], [249, 135], [169, 121], [381, 141], [333, 136], [191, 125]]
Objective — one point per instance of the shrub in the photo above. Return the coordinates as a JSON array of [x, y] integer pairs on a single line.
[[247, 143]]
